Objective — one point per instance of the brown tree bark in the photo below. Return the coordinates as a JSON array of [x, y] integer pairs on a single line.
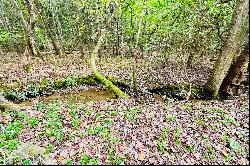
[[235, 73], [237, 35]]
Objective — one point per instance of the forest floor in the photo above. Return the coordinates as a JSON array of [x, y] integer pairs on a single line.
[[117, 131]]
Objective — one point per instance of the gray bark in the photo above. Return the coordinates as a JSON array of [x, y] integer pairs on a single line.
[[237, 35]]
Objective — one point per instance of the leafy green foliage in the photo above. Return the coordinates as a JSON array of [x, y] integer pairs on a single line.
[[33, 121], [166, 24], [12, 145], [68, 162], [26, 162], [210, 153], [12, 130], [236, 146], [229, 120], [85, 159]]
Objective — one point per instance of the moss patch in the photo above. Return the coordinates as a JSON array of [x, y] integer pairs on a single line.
[[18, 93]]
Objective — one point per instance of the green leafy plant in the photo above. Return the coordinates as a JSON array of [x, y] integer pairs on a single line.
[[59, 136], [34, 121], [94, 130], [120, 160], [162, 145], [68, 162], [40, 106], [71, 135], [12, 130], [235, 146], [50, 148], [14, 95], [162, 141], [229, 158], [190, 148], [114, 113], [23, 115], [75, 123], [26, 162], [28, 67], [32, 90], [216, 110], [58, 84], [172, 118], [81, 134], [210, 153], [177, 134], [88, 112], [70, 81], [85, 159], [93, 161], [229, 120], [13, 144], [111, 153]]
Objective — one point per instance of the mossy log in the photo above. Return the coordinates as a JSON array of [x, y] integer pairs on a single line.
[[18, 92], [100, 77]]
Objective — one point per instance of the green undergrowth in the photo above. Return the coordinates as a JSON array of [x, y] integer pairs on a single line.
[[58, 124], [18, 92]]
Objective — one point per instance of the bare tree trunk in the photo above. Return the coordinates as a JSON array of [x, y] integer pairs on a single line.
[[80, 32], [122, 30], [230, 50], [117, 33], [31, 28], [28, 28], [236, 71], [135, 56], [57, 24], [53, 40]]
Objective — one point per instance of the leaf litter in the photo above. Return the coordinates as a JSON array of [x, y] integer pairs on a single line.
[[131, 131]]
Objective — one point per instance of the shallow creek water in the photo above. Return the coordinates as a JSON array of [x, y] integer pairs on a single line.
[[81, 97]]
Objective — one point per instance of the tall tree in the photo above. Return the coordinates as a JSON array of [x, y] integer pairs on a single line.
[[236, 70], [46, 25], [28, 27], [135, 56], [30, 6], [240, 26]]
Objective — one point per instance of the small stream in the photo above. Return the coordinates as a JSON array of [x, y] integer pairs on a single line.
[[84, 96], [81, 97]]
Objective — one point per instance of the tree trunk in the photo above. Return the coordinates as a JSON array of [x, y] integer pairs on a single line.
[[236, 71], [28, 31], [57, 25], [79, 34], [135, 56], [230, 50], [46, 25], [100, 77], [31, 28]]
